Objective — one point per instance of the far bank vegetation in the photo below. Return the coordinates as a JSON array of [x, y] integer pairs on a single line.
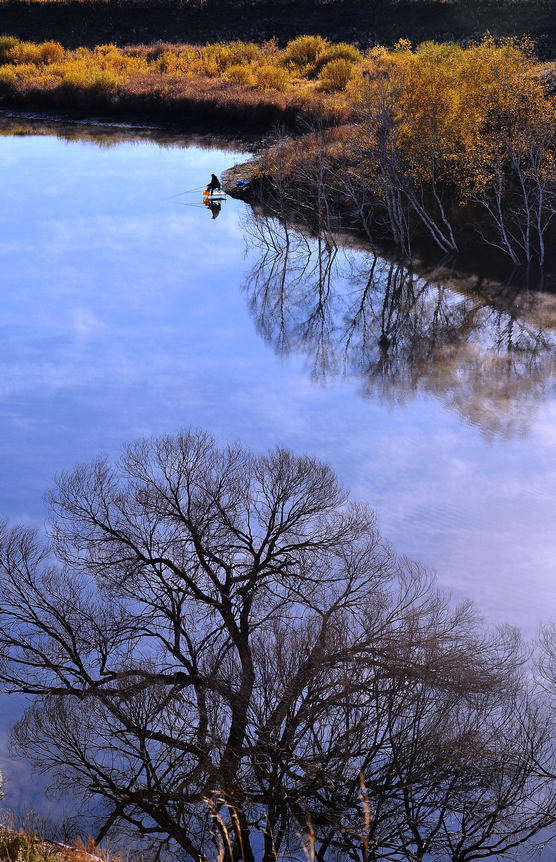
[[310, 76], [436, 144]]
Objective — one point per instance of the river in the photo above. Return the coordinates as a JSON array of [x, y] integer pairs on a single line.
[[129, 310]]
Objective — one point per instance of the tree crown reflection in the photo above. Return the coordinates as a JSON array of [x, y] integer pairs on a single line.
[[357, 315]]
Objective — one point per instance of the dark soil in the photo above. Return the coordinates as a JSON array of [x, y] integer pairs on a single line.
[[362, 22]]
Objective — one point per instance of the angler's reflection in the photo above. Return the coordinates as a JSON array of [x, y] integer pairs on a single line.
[[354, 314], [213, 206]]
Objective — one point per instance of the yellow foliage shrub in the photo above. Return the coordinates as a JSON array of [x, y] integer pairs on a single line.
[[8, 73], [168, 62], [304, 52], [80, 53], [449, 107], [339, 51], [270, 49], [235, 53], [190, 61], [335, 76], [104, 80], [26, 71], [239, 74], [210, 67], [50, 52], [7, 43], [270, 77], [104, 50], [75, 77], [24, 52], [239, 52]]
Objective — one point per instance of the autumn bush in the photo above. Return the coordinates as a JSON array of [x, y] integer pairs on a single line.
[[450, 127], [6, 44], [243, 82], [261, 68], [335, 75], [339, 51], [19, 52], [271, 77], [8, 74], [240, 74], [449, 146], [233, 53], [302, 53]]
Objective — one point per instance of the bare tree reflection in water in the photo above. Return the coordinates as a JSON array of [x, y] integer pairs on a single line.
[[292, 293], [488, 357]]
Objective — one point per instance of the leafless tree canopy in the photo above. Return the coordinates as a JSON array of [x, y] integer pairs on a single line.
[[221, 646]]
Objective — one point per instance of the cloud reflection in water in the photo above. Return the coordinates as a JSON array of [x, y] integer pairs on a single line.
[[121, 316]]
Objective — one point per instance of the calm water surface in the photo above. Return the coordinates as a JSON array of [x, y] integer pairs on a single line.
[[129, 311]]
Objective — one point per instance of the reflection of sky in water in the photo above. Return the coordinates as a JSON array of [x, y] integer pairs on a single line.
[[122, 316]]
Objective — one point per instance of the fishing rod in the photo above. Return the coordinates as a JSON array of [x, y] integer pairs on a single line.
[[186, 192]]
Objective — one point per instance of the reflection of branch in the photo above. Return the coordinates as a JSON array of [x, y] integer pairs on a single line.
[[400, 334]]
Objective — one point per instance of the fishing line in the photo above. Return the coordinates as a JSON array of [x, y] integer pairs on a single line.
[[186, 192], [199, 206]]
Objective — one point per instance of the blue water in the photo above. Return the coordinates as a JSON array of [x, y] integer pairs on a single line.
[[128, 310]]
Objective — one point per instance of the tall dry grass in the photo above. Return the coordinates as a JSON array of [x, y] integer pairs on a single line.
[[22, 839], [238, 81]]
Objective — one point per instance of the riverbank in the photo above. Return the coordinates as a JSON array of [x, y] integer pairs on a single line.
[[440, 147], [452, 153], [239, 87], [226, 113], [106, 133]]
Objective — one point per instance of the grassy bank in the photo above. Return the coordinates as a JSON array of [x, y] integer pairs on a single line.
[[24, 846], [240, 86]]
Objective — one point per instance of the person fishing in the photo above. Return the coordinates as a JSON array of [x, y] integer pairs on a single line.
[[214, 185]]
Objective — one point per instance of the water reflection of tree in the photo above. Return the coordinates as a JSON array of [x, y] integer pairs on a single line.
[[354, 314]]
